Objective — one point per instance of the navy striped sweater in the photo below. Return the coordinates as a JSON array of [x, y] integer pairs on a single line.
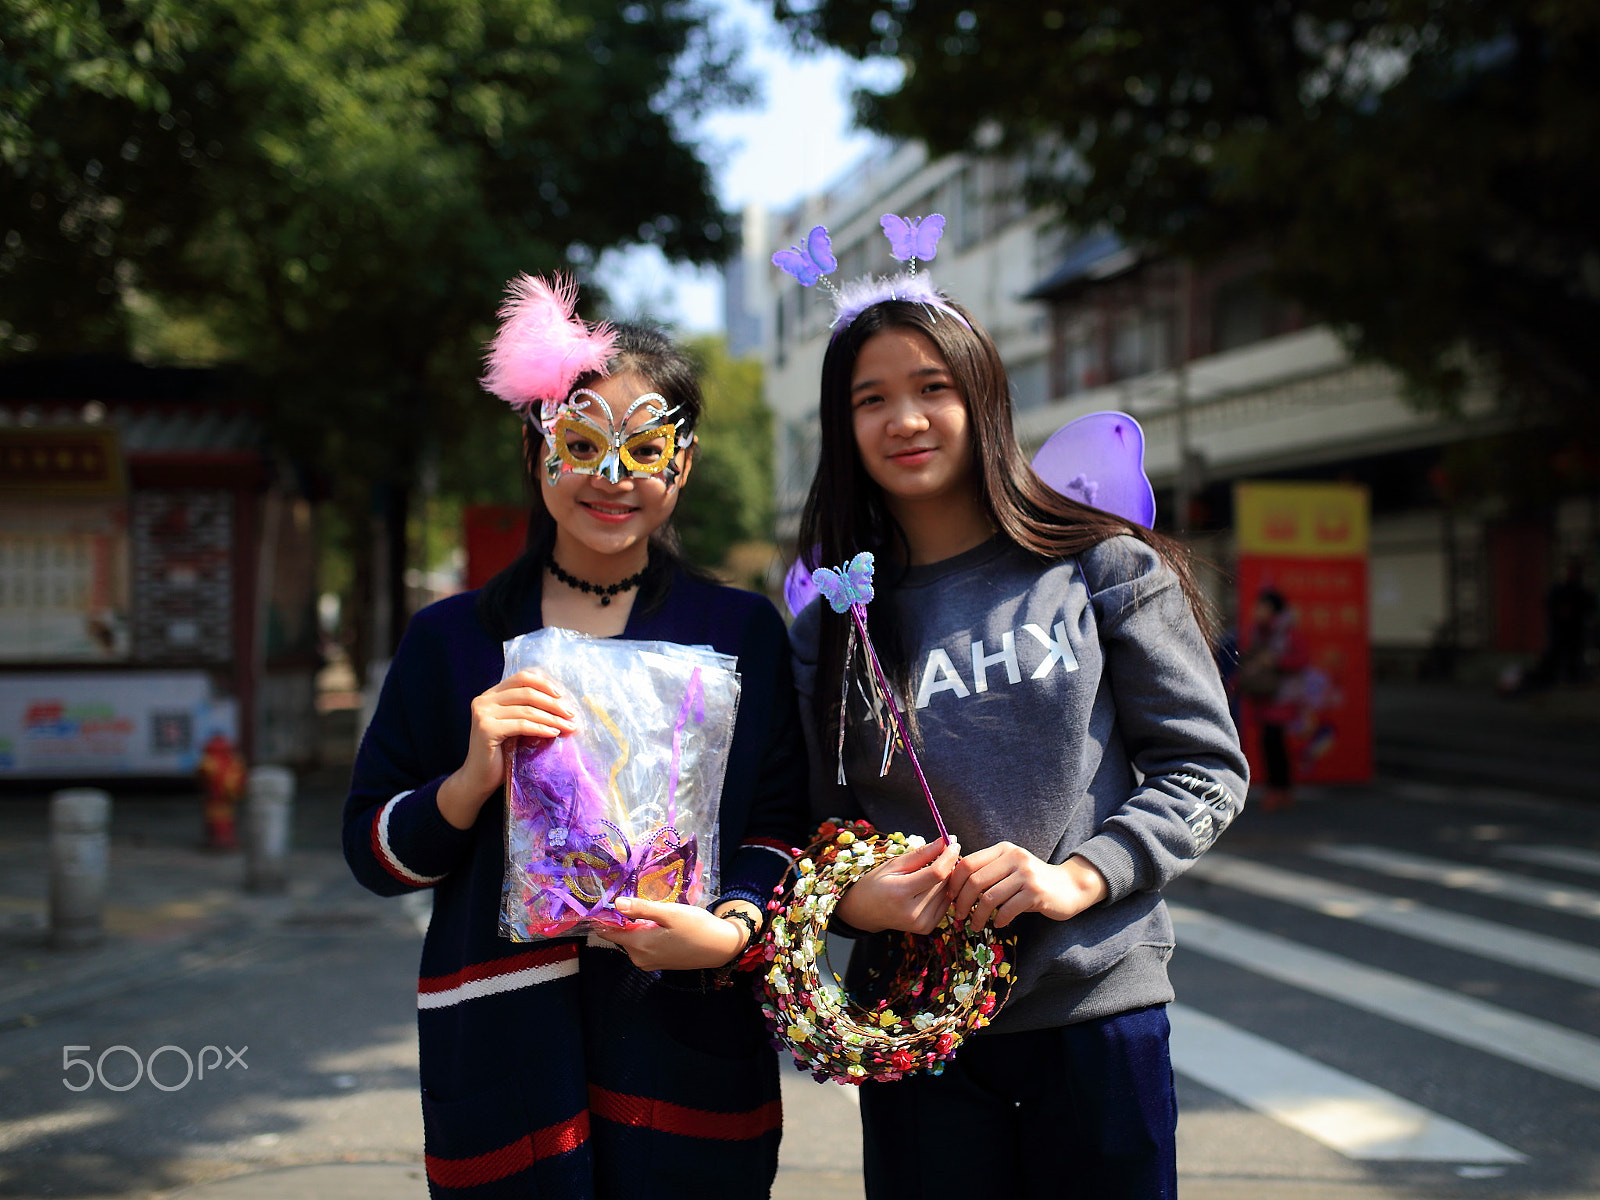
[[558, 1067]]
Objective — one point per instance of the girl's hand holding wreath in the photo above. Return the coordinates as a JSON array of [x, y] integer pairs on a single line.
[[908, 893], [1003, 881], [525, 705], [676, 937]]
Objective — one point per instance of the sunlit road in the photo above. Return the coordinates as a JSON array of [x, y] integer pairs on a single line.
[[1387, 992], [1393, 988]]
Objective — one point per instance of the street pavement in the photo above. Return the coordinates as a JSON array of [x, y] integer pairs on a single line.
[[1387, 992]]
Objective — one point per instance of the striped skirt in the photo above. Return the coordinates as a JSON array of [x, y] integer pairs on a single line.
[[563, 1070]]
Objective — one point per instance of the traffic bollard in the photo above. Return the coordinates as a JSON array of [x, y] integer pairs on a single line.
[[269, 804], [80, 856]]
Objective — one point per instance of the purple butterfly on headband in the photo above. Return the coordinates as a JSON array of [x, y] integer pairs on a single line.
[[850, 584], [810, 262], [911, 237]]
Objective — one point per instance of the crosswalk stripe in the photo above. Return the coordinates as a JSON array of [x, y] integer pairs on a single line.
[[1485, 880], [1569, 858], [1560, 1052], [1486, 939], [1354, 1117]]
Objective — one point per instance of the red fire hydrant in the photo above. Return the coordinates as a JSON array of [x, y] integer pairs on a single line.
[[222, 777]]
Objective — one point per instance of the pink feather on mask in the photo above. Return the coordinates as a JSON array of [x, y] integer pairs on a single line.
[[542, 347]]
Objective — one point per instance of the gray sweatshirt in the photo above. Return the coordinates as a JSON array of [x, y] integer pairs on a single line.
[[1069, 707]]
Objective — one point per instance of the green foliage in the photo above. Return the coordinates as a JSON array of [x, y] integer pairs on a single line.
[[332, 197], [728, 499], [1423, 172], [339, 190]]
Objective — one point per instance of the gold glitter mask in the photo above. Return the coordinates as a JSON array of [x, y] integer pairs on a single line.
[[581, 445]]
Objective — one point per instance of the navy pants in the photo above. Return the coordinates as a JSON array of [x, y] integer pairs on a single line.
[[1075, 1111]]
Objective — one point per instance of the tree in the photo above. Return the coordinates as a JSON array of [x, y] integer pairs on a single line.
[[729, 498], [338, 193], [1422, 172]]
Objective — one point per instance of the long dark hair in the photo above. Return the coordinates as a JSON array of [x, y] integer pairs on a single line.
[[646, 351], [847, 512]]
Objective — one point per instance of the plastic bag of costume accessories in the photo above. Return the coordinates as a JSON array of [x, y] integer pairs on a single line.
[[627, 805]]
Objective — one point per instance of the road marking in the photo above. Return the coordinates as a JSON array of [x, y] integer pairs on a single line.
[[1541, 1045], [1485, 880], [1568, 858], [1348, 1114], [1486, 939]]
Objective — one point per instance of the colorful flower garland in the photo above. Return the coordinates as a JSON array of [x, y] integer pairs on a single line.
[[935, 991]]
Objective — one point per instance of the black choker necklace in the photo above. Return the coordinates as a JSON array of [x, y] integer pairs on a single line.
[[606, 592]]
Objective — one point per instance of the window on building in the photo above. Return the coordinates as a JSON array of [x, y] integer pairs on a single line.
[[949, 204], [1081, 368], [853, 260], [1141, 341], [1030, 383], [1007, 198], [969, 227], [1242, 312]]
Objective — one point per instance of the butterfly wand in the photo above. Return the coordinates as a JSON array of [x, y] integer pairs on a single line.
[[849, 589]]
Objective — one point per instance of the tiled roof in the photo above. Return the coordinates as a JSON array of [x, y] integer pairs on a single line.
[[155, 410], [1096, 256]]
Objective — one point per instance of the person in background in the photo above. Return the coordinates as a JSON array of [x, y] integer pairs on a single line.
[[1569, 608], [1272, 659]]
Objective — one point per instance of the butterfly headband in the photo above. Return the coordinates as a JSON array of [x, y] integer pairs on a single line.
[[911, 239], [539, 352]]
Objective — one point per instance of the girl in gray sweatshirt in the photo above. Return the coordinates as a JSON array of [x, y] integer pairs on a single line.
[[1073, 729]]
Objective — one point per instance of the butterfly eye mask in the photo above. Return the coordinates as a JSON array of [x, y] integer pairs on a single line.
[[581, 445], [911, 240]]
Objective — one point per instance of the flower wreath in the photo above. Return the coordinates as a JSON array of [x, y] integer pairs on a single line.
[[935, 991]]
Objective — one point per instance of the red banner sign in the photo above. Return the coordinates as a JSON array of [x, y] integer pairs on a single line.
[[1306, 545]]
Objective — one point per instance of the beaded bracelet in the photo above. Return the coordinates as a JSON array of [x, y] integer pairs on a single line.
[[749, 923]]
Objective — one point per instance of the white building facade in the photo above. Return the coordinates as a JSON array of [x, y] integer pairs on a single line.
[[1228, 383]]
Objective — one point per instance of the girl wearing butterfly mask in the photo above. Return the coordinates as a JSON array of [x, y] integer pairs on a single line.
[[611, 1066], [1074, 732]]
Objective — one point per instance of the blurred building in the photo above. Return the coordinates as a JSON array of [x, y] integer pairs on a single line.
[[157, 576], [1229, 382]]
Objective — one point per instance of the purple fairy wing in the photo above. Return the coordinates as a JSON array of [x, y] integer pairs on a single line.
[[926, 235], [819, 246], [901, 234], [1098, 460], [798, 588]]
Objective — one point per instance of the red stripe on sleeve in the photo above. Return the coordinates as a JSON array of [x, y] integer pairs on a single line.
[[382, 855], [774, 843]]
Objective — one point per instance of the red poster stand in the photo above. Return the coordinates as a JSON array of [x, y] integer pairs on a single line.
[[1308, 542]]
